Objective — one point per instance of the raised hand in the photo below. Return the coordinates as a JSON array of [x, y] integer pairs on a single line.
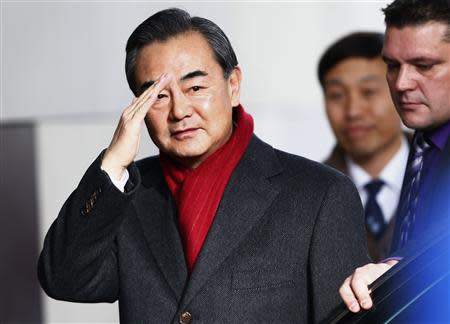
[[124, 145]]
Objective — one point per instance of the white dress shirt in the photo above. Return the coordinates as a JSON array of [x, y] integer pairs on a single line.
[[120, 184], [392, 175]]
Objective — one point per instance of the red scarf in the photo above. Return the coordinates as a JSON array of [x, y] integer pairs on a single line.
[[198, 192]]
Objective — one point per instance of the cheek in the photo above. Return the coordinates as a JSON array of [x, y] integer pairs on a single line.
[[204, 102], [389, 126], [155, 123], [383, 109], [387, 120], [391, 79], [213, 106], [442, 94], [335, 116]]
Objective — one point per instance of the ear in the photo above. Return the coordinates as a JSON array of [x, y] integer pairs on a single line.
[[234, 84]]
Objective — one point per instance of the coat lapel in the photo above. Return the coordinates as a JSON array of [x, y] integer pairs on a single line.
[[247, 196], [157, 213]]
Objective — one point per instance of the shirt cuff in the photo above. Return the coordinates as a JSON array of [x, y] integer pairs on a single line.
[[120, 184]]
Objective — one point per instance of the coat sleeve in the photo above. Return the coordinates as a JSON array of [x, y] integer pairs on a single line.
[[78, 261], [338, 245]]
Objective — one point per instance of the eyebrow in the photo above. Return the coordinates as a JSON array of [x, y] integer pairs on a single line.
[[422, 59], [371, 77], [414, 60], [333, 82], [193, 74], [366, 78], [190, 75]]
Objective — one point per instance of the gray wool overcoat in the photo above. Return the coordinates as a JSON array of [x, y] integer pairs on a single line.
[[286, 234]]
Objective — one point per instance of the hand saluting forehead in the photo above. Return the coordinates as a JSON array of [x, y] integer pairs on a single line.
[[124, 145]]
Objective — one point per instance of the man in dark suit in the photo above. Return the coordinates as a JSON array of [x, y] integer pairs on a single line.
[[416, 51], [220, 226], [371, 147]]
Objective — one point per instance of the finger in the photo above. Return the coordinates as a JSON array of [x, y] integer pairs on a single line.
[[137, 101], [359, 285], [145, 95], [145, 105], [131, 107], [348, 297]]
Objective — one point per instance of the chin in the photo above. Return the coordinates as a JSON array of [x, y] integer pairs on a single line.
[[416, 121], [362, 153], [416, 124], [188, 152]]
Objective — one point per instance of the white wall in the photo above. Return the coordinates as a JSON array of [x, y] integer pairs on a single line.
[[63, 64]]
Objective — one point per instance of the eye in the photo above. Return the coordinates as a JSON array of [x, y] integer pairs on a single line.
[[424, 67], [161, 95], [367, 93], [334, 96], [391, 66], [195, 88]]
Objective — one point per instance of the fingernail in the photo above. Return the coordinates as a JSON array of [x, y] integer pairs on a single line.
[[354, 307], [365, 303]]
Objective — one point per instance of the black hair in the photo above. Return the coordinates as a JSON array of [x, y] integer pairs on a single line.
[[402, 13], [169, 23], [359, 44]]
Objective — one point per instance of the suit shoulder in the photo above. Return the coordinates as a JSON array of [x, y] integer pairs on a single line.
[[308, 170]]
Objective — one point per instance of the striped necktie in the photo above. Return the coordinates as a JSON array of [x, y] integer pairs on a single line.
[[411, 187]]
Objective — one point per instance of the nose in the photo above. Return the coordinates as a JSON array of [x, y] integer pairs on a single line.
[[180, 106], [353, 104], [404, 79]]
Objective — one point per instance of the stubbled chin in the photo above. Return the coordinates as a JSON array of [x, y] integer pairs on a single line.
[[412, 120]]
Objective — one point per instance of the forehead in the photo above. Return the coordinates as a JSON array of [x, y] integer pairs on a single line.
[[179, 55], [354, 70], [413, 42]]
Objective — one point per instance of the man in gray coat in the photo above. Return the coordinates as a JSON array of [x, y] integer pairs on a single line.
[[220, 226]]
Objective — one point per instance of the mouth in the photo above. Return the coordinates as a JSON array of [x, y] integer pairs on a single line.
[[357, 132], [409, 105], [184, 133]]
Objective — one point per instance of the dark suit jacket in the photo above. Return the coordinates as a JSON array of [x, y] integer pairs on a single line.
[[378, 248], [286, 234]]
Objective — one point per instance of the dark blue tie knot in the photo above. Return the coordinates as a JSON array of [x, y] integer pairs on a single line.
[[373, 187]]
